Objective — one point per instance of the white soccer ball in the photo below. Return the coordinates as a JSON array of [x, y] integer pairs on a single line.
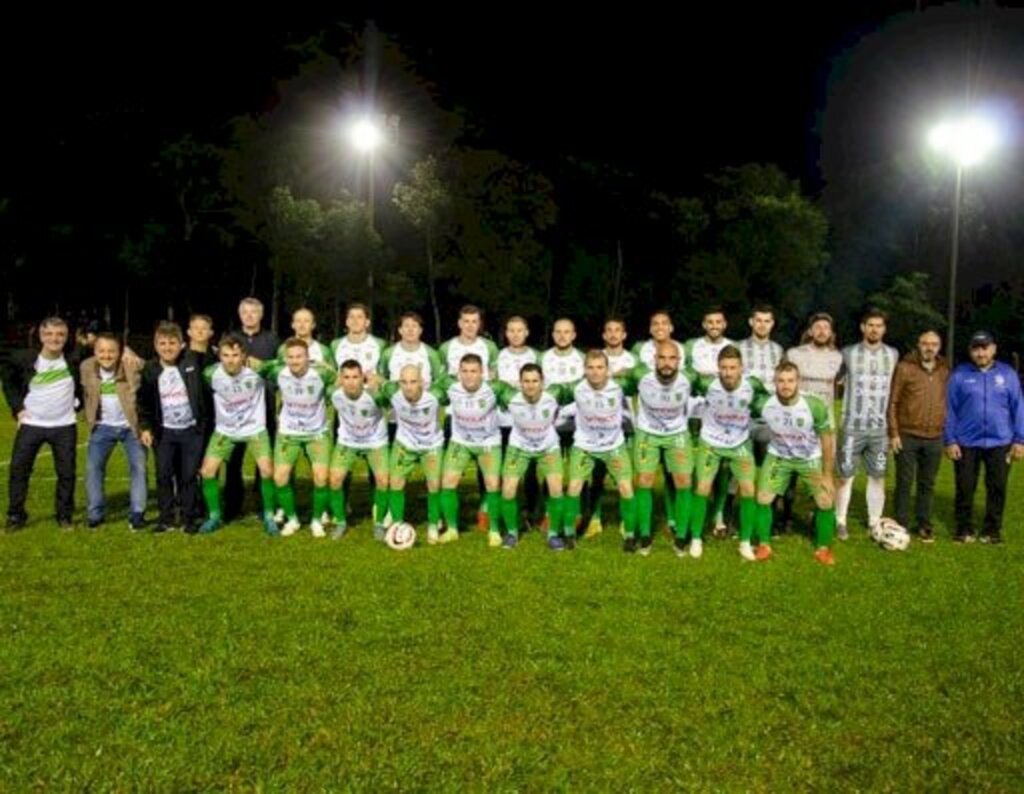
[[400, 536], [890, 535]]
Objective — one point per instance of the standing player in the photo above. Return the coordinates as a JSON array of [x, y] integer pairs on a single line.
[[410, 349], [358, 344]]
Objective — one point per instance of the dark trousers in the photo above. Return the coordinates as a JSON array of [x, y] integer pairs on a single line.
[[179, 454], [997, 470], [919, 459], [27, 442]]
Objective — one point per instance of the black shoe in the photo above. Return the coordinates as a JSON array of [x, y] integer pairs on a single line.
[[66, 524], [570, 543], [14, 523], [162, 527], [94, 523], [629, 545], [136, 522], [925, 534], [963, 537], [679, 545], [991, 539], [646, 545]]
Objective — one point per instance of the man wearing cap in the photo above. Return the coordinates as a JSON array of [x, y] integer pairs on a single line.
[[984, 426], [917, 411]]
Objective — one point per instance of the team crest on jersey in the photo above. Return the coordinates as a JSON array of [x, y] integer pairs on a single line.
[[481, 403], [799, 421], [1000, 380], [364, 412], [611, 403], [546, 413], [310, 389], [678, 397]]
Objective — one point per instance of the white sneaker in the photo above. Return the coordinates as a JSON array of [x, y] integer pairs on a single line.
[[432, 535], [696, 548], [279, 516], [326, 519], [747, 551], [290, 528], [317, 529]]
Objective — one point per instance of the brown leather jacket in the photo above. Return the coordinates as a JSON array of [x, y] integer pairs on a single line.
[[129, 375], [917, 399]]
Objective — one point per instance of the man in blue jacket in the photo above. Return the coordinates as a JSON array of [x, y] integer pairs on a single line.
[[984, 425]]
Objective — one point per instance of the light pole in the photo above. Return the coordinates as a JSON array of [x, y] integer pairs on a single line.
[[966, 141]]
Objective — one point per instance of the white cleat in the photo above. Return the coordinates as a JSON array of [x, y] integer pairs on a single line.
[[326, 519], [696, 548], [290, 528], [432, 535], [279, 516], [747, 551], [317, 529]]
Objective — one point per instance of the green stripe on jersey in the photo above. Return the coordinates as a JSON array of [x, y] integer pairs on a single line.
[[50, 376]]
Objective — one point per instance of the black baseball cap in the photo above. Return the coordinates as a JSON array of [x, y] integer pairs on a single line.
[[981, 339]]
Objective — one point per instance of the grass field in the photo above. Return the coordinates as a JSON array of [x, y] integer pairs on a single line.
[[239, 662]]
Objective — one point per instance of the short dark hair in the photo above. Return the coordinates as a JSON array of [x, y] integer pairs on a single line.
[[471, 358], [294, 341], [531, 367], [874, 313], [232, 340], [730, 351], [351, 363], [762, 308], [168, 329]]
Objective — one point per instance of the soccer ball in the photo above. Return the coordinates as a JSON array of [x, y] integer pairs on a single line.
[[890, 535], [400, 536]]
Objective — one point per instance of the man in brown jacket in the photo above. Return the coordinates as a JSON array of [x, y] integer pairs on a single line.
[[110, 379], [917, 411]]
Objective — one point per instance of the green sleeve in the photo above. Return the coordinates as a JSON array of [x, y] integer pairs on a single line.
[[442, 353], [269, 370], [492, 355], [208, 374], [436, 367], [334, 348], [384, 367], [701, 383], [328, 355], [761, 396], [327, 375], [688, 349], [564, 393], [503, 392], [281, 351], [385, 392], [820, 413], [635, 350], [630, 379], [440, 389]]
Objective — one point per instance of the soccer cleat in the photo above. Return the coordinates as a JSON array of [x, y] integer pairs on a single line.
[[990, 538], [279, 516], [721, 530], [925, 534], [136, 522], [963, 537], [380, 533], [326, 518], [270, 526], [747, 551], [510, 542], [629, 544], [449, 536], [646, 547], [210, 525], [339, 531], [594, 528], [570, 543], [317, 529], [842, 533], [824, 556], [494, 539], [15, 523], [66, 524], [696, 548], [290, 528], [94, 523], [763, 553], [555, 543], [483, 521], [679, 547], [433, 538]]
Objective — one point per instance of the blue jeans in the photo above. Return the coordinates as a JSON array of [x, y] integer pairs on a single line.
[[101, 443]]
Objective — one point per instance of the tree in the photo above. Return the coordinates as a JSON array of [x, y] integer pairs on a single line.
[[909, 305], [425, 201]]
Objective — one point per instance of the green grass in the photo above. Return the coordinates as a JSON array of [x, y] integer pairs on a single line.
[[241, 662]]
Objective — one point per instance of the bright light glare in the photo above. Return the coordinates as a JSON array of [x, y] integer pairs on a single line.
[[967, 141], [365, 135]]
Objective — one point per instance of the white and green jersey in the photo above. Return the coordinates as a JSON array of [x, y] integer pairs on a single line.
[[361, 421], [868, 376], [560, 368], [760, 359], [239, 401], [51, 394], [111, 412], [474, 414], [454, 349], [644, 352], [303, 397], [174, 403], [398, 357], [620, 362], [509, 363], [599, 415], [319, 353], [663, 409], [796, 429], [419, 423], [367, 352], [819, 367], [702, 355], [533, 423], [728, 415]]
